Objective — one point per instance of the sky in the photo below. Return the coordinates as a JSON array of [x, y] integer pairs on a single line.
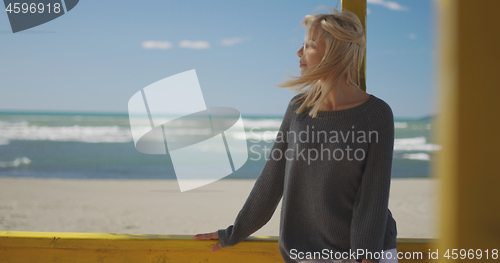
[[95, 57]]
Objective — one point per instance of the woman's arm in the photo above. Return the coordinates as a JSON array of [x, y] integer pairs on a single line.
[[371, 205], [264, 197]]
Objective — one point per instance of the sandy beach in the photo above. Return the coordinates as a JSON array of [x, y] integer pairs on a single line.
[[158, 207]]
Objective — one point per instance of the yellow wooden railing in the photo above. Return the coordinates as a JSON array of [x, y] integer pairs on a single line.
[[24, 247]]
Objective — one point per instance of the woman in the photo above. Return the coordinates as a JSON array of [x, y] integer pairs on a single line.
[[331, 161]]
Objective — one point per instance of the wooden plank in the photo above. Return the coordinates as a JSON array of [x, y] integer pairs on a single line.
[[358, 7], [20, 246], [468, 125]]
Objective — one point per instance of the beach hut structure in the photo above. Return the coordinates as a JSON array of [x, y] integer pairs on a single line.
[[468, 128]]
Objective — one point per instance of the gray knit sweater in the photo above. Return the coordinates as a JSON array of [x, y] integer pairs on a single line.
[[334, 174]]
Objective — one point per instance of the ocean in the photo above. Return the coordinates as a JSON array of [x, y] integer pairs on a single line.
[[100, 146]]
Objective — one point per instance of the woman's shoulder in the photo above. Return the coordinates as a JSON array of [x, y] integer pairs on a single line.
[[381, 107], [293, 105], [380, 114], [295, 102], [297, 96]]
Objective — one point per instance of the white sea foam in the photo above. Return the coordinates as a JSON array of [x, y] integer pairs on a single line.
[[400, 125], [94, 134], [414, 144], [262, 123], [17, 162], [417, 156], [117, 134], [5, 124], [268, 136], [4, 141]]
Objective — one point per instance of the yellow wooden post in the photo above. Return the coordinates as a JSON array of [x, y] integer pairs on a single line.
[[358, 7], [468, 127]]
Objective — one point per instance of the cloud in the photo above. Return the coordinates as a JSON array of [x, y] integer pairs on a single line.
[[194, 44], [368, 11], [388, 4], [412, 36], [229, 42], [151, 44]]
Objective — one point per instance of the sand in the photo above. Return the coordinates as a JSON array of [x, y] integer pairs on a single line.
[[158, 207]]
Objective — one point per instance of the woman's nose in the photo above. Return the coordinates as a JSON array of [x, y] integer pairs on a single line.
[[300, 52]]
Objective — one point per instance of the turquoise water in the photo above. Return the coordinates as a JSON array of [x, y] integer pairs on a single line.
[[91, 146]]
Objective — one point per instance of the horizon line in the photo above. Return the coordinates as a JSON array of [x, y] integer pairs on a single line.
[[110, 113]]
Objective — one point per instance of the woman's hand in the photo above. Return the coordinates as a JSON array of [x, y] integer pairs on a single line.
[[209, 236]]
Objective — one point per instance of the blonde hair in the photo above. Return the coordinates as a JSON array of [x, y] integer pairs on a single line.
[[345, 48]]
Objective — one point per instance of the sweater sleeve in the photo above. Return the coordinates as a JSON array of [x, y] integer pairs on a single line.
[[265, 195], [370, 209]]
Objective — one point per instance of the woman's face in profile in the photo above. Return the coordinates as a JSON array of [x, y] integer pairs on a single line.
[[311, 52]]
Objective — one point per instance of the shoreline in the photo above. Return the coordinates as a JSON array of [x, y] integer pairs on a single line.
[[142, 206]]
